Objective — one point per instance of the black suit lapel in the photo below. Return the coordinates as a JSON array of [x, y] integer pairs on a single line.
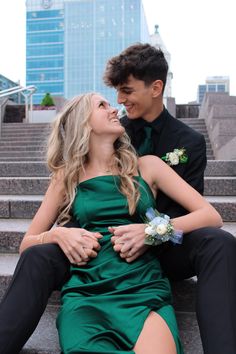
[[168, 137]]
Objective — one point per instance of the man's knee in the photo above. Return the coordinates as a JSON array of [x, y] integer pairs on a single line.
[[218, 238], [46, 252], [209, 236], [46, 260], [214, 248]]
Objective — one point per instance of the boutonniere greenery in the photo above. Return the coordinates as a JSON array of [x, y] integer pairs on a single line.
[[175, 157]]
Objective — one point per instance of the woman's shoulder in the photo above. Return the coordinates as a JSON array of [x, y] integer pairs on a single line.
[[149, 164], [57, 178], [148, 159]]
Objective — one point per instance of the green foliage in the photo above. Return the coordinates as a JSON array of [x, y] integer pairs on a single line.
[[47, 100]]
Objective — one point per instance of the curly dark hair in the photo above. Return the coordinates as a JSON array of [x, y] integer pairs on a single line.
[[143, 61]]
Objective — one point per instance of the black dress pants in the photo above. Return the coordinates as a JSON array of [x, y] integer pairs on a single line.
[[40, 270], [208, 253]]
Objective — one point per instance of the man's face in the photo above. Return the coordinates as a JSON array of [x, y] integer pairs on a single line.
[[137, 99]]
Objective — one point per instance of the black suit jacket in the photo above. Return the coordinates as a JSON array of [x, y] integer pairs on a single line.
[[173, 134]]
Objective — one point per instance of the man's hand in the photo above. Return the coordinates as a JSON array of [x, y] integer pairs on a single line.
[[128, 240]]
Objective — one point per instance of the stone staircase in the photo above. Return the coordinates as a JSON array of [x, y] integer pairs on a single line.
[[200, 126], [23, 141], [23, 181]]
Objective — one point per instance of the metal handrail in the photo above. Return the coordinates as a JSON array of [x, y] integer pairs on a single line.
[[10, 89], [17, 89], [2, 111], [27, 92]]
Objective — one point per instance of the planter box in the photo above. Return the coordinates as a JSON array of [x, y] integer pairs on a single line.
[[44, 116]]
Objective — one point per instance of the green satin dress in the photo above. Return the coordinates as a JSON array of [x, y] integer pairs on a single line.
[[104, 304]]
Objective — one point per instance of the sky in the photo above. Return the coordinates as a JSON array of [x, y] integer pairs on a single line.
[[198, 34]]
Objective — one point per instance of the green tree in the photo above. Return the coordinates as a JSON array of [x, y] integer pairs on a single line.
[[47, 100]]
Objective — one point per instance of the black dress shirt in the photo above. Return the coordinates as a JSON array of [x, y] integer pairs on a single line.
[[168, 134]]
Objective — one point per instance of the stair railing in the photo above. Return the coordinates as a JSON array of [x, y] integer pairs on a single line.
[[3, 104], [27, 92]]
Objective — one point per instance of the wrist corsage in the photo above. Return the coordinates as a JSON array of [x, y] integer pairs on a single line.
[[175, 157], [159, 229]]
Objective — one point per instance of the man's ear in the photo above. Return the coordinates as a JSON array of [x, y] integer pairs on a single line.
[[157, 87]]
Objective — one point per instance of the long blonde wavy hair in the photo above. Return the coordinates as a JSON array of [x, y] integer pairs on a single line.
[[68, 148]]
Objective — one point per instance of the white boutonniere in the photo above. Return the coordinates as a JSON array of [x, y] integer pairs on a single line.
[[175, 157]]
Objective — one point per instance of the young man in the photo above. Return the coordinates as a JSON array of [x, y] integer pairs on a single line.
[[139, 75]]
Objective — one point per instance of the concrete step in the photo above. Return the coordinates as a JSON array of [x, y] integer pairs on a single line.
[[221, 168], [38, 185], [22, 154], [35, 169], [220, 186], [25, 125], [23, 185], [13, 230], [192, 120], [24, 147], [11, 144], [225, 205], [25, 206], [22, 134], [11, 234], [19, 207], [200, 129], [23, 169], [20, 139], [23, 159], [32, 144]]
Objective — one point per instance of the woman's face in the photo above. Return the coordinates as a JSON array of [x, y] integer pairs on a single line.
[[104, 120]]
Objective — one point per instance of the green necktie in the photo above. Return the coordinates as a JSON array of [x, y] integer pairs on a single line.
[[146, 146]]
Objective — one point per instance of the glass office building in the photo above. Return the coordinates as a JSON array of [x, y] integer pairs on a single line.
[[69, 42], [6, 84], [213, 84], [45, 47]]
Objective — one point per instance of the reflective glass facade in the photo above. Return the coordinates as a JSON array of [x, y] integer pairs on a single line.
[[45, 47], [70, 41], [95, 31], [220, 85], [6, 84]]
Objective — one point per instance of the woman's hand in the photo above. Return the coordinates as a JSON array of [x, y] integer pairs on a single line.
[[128, 240], [79, 245]]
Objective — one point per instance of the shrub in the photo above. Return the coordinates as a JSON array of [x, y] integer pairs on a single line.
[[47, 100]]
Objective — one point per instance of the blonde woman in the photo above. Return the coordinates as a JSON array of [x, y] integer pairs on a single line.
[[109, 305]]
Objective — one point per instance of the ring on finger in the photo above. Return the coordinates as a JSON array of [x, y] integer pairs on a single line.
[[119, 242]]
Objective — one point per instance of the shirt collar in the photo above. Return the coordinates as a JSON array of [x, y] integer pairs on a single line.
[[138, 124]]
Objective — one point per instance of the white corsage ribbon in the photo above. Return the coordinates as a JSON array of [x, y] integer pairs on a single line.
[[159, 229]]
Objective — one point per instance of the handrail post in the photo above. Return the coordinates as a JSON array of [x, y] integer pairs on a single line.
[[26, 109], [20, 90], [0, 120], [2, 107]]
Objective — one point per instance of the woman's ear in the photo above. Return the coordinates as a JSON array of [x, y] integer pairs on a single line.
[[157, 87]]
